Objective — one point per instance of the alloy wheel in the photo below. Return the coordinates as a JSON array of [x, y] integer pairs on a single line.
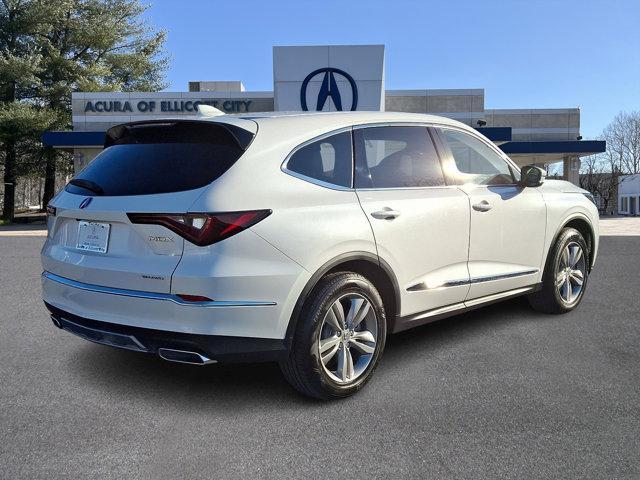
[[348, 338], [571, 273]]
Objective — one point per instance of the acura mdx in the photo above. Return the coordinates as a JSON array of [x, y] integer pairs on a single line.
[[304, 239]]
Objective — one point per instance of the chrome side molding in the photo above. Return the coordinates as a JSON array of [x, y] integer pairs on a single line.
[[489, 278], [151, 295], [464, 281], [449, 283], [428, 316]]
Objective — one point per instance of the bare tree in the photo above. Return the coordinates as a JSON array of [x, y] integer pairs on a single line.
[[623, 142], [601, 179]]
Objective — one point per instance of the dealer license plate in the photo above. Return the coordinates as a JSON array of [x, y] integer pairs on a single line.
[[93, 236]]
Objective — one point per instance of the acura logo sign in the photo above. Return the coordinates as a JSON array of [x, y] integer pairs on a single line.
[[329, 88]]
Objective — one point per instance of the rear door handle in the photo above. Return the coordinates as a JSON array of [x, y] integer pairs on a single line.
[[386, 214], [483, 206]]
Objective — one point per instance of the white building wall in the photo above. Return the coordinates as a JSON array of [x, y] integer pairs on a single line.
[[629, 194]]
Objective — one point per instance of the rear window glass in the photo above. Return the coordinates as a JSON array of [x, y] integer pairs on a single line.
[[159, 158]]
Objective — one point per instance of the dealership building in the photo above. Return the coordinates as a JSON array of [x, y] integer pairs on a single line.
[[629, 194], [331, 78]]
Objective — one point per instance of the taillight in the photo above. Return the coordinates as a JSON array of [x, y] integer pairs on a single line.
[[51, 211], [202, 228]]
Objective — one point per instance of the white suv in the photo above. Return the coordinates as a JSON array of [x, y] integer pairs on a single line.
[[304, 239]]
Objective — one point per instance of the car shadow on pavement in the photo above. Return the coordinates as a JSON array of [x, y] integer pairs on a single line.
[[147, 377], [443, 334]]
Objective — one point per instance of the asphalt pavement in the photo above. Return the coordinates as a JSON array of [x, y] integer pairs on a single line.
[[501, 392]]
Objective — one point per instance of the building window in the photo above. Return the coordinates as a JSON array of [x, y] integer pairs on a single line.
[[624, 204]]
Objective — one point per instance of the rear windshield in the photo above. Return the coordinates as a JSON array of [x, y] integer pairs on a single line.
[[153, 158]]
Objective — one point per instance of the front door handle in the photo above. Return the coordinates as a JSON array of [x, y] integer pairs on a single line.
[[483, 206], [386, 214]]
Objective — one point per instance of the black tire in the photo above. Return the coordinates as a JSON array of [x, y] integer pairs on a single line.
[[549, 298], [303, 368]]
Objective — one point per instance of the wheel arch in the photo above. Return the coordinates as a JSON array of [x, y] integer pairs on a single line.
[[582, 224], [365, 263]]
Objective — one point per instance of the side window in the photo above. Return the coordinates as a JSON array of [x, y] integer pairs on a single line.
[[476, 162], [396, 157], [327, 160]]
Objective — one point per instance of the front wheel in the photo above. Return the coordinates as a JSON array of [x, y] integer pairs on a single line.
[[565, 276], [339, 337]]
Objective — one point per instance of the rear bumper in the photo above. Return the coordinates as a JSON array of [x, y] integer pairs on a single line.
[[163, 312], [226, 349]]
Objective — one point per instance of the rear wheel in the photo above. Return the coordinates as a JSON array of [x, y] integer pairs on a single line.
[[565, 276], [339, 338]]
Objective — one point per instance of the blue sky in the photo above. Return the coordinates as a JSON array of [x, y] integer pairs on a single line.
[[524, 53]]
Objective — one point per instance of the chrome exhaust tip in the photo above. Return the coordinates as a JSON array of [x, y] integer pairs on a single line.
[[183, 356], [56, 322]]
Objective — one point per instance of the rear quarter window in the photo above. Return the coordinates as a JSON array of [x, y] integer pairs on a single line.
[[154, 158], [328, 160]]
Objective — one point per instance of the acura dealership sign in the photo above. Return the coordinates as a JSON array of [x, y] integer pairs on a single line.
[[323, 78], [94, 111], [329, 89], [328, 77], [163, 106]]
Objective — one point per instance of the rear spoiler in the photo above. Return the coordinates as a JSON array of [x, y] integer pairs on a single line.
[[160, 131]]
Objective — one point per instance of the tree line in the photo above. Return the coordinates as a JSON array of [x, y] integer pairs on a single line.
[[600, 173], [49, 49]]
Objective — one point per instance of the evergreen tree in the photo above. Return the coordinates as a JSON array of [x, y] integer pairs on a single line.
[[50, 49]]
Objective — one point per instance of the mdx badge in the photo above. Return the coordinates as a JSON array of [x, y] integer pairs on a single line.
[[153, 238]]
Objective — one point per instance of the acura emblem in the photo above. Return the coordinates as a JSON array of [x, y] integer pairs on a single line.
[[329, 88], [85, 202]]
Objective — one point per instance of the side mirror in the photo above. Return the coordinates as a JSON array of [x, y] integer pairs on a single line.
[[532, 176]]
